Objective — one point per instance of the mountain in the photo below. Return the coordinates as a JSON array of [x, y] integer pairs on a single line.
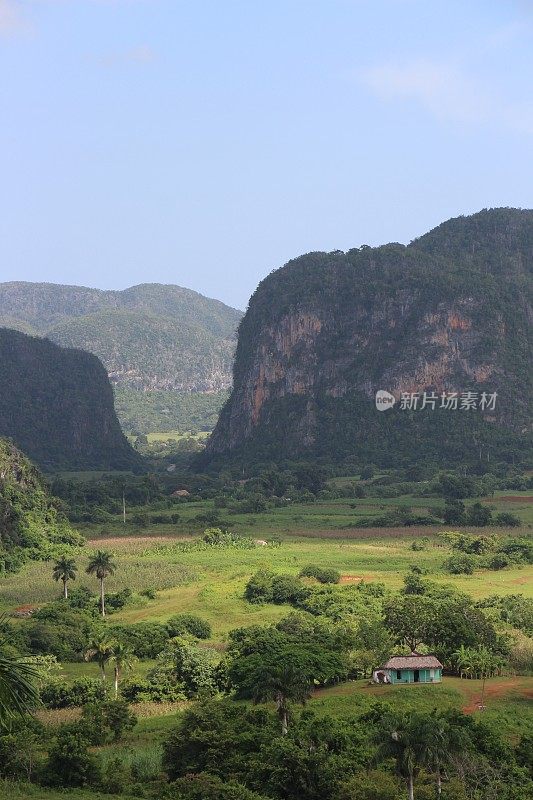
[[151, 338], [30, 520], [450, 312], [57, 406]]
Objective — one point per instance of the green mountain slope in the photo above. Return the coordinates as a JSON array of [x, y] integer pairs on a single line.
[[31, 524], [57, 406], [150, 337], [450, 312]]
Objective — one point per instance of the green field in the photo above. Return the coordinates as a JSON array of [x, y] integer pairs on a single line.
[[210, 582]]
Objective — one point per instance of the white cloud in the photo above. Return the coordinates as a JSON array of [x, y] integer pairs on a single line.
[[447, 92]]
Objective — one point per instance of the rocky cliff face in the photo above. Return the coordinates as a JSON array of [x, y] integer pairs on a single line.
[[449, 313], [56, 404]]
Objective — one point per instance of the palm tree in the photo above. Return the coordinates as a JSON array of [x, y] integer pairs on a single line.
[[101, 565], [402, 737], [65, 570], [100, 650], [463, 660], [18, 686], [123, 659]]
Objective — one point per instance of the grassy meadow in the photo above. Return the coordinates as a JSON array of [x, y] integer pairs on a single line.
[[210, 582]]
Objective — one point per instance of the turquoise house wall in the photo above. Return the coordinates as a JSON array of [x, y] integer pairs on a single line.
[[408, 676]]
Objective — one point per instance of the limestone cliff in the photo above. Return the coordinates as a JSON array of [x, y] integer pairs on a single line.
[[451, 312]]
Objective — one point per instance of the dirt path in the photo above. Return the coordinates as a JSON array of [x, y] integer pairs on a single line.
[[493, 691]]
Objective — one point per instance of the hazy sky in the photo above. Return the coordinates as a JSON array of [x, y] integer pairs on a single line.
[[206, 142]]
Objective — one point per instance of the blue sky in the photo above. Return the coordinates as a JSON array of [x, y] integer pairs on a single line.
[[206, 142]]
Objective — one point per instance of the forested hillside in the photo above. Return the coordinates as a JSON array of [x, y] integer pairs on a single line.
[[151, 337], [450, 313], [31, 524], [57, 406]]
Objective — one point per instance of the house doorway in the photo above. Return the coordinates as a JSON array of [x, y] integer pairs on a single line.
[[417, 675]]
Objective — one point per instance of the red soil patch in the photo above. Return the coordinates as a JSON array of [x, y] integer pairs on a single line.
[[515, 498], [355, 578], [493, 691]]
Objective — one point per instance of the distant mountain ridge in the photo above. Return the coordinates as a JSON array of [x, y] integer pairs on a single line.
[[152, 338], [56, 405]]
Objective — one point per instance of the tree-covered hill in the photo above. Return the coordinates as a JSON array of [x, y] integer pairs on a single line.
[[56, 404], [151, 337], [451, 312], [31, 522]]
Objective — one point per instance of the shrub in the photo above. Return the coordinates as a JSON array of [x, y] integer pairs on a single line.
[[259, 587], [69, 762], [106, 721], [142, 691], [478, 515], [189, 623], [507, 520], [288, 589], [56, 629], [78, 693], [202, 786], [321, 574], [117, 600], [499, 561], [463, 564], [145, 639]]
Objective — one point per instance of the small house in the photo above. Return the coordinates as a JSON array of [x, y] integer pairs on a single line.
[[413, 668]]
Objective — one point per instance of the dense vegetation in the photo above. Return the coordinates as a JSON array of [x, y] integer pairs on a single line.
[[58, 406], [31, 522], [324, 333], [154, 340], [164, 411]]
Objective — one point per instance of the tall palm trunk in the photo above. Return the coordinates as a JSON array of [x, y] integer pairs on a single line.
[[283, 713], [102, 597], [117, 676], [439, 778], [102, 671], [65, 590], [410, 787]]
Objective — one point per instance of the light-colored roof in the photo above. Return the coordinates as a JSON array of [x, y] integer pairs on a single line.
[[413, 661]]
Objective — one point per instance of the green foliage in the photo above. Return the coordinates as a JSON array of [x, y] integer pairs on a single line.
[[460, 564], [181, 624], [31, 522], [106, 721], [145, 639], [186, 666], [61, 631], [83, 691], [59, 408], [265, 587], [21, 749], [208, 787], [70, 764], [322, 574]]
